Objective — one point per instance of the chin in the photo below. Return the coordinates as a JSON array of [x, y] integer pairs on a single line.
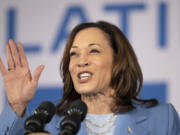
[[85, 91]]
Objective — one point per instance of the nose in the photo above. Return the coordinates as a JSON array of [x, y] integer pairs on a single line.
[[83, 60]]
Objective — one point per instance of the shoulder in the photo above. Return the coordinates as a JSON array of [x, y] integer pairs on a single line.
[[163, 111], [159, 111], [161, 116]]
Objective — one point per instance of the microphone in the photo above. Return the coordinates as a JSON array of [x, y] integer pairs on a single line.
[[74, 115], [42, 115]]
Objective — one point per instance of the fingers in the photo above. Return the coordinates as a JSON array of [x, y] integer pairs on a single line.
[[14, 53], [37, 73], [10, 60], [22, 55], [2, 67]]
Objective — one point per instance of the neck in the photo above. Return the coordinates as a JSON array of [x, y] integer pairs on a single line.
[[99, 103]]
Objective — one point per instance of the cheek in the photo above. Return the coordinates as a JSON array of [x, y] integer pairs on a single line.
[[105, 70], [105, 64], [71, 67]]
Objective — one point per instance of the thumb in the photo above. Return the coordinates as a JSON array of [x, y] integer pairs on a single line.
[[37, 73]]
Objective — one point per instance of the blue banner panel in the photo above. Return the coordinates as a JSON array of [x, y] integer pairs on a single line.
[[154, 90], [53, 94]]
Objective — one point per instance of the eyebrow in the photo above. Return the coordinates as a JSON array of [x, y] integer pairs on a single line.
[[91, 44], [74, 46]]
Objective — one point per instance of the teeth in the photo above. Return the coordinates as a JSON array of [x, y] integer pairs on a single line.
[[83, 75]]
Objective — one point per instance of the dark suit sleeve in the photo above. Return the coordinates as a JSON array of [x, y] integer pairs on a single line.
[[173, 121]]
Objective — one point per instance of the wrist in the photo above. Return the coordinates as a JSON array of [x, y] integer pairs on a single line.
[[19, 109]]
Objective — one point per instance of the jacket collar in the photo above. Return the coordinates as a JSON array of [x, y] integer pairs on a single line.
[[134, 122]]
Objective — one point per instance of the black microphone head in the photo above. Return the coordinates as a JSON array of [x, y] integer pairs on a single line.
[[47, 108], [78, 107], [33, 124], [73, 116], [42, 115]]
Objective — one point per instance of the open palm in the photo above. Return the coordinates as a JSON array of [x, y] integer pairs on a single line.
[[19, 84]]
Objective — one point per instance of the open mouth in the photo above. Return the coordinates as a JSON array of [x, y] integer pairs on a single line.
[[84, 76]]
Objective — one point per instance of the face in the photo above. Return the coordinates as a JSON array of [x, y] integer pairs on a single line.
[[91, 61]]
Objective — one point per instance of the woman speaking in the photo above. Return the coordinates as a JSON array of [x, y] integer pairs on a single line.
[[99, 67]]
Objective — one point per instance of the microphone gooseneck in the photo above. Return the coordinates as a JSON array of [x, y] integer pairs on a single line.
[[42, 115], [75, 114]]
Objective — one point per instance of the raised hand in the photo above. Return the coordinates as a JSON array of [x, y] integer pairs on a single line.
[[19, 84]]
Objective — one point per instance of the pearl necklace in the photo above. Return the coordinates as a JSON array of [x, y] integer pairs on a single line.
[[109, 124]]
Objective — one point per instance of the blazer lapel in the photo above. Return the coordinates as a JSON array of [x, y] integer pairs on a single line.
[[132, 123]]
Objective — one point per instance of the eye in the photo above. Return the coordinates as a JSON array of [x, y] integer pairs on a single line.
[[94, 51], [72, 53]]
